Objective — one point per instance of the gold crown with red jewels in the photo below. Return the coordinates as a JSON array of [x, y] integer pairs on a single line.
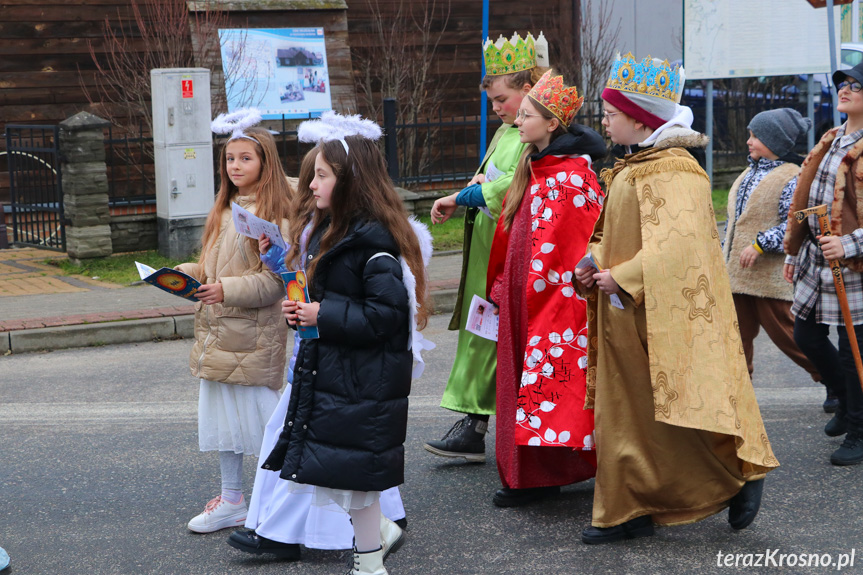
[[551, 93]]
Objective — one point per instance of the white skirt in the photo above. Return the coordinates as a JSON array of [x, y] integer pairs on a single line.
[[232, 417], [292, 513], [344, 499]]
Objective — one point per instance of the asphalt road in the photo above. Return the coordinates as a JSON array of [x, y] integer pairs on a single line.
[[99, 473]]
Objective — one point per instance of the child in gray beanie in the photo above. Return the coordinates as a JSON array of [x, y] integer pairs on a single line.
[[758, 204], [779, 129]]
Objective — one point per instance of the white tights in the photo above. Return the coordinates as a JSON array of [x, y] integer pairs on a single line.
[[367, 527]]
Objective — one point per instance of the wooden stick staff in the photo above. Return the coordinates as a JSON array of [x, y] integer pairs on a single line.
[[824, 227]]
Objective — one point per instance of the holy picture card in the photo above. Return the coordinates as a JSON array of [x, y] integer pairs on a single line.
[[251, 226], [297, 290], [588, 261], [481, 319]]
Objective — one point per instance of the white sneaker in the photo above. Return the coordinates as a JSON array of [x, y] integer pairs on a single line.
[[392, 536], [219, 514]]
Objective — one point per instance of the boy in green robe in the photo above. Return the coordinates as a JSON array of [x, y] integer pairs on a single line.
[[511, 71]]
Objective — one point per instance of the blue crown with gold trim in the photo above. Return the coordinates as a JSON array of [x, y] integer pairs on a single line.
[[649, 77]]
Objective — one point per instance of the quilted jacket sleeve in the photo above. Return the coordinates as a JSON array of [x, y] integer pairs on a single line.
[[193, 269], [254, 290], [377, 317]]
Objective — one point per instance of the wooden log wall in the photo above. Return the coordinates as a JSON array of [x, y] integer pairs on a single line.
[[458, 64], [45, 63], [459, 60], [46, 67]]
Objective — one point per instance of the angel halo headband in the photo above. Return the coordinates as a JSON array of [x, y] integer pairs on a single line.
[[331, 126], [236, 123]]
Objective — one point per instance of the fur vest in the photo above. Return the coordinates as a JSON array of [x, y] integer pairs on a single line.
[[764, 279], [847, 209]]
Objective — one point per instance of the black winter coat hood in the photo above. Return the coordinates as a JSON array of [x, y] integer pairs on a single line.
[[578, 140]]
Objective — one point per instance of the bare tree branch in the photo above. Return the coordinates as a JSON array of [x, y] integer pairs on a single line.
[[399, 64], [164, 34], [599, 40]]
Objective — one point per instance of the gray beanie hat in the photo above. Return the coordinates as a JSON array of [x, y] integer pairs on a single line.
[[779, 129]]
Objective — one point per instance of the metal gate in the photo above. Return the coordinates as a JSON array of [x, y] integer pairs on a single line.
[[35, 182]]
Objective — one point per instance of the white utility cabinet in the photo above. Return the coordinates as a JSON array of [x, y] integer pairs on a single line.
[[183, 153]]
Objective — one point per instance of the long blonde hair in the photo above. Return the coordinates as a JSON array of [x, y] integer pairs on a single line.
[[364, 190], [272, 197], [524, 173]]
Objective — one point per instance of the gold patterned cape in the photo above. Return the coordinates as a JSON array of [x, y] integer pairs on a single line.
[[697, 368]]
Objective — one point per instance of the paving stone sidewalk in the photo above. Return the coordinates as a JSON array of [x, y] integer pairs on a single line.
[[41, 309]]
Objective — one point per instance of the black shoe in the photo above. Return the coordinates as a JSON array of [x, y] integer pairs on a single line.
[[403, 523], [506, 497], [836, 426], [851, 450], [744, 506], [831, 404], [465, 439], [632, 529], [251, 542]]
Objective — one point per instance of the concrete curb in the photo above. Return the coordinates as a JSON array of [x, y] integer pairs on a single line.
[[95, 334], [134, 330], [444, 300]]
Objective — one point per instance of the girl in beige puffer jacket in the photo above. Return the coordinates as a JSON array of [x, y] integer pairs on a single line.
[[240, 335]]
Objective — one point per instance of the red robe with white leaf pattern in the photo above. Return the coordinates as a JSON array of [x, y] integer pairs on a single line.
[[544, 434]]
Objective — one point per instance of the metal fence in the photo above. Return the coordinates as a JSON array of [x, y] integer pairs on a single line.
[[129, 160], [445, 151], [437, 152], [732, 113], [35, 186], [131, 172]]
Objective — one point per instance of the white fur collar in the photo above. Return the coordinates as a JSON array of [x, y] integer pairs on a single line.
[[417, 343]]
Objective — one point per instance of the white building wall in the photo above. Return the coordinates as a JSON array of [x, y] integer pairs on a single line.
[[647, 27]]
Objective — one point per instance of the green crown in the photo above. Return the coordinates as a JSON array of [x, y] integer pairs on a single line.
[[509, 56]]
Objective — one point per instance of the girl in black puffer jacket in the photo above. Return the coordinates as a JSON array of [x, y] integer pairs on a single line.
[[347, 418]]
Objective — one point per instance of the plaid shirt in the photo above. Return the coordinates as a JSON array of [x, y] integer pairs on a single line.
[[813, 281]]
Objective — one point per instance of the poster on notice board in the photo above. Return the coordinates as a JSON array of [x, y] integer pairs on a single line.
[[280, 71]]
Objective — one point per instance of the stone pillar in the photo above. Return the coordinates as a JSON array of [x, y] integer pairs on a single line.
[[85, 187]]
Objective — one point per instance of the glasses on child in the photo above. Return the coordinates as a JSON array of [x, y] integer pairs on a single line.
[[608, 115], [853, 86], [522, 114]]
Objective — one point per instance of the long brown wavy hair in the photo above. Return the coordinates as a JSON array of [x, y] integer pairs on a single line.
[[272, 196], [524, 172], [302, 208], [364, 190]]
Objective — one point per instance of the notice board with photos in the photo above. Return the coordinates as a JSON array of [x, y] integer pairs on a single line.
[[281, 71]]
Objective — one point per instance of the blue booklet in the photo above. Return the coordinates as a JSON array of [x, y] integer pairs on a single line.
[[297, 290], [170, 280]]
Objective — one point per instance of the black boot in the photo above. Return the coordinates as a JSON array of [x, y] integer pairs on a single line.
[[506, 497], [831, 404], [851, 450], [251, 542], [836, 426], [465, 439], [744, 506], [632, 529]]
